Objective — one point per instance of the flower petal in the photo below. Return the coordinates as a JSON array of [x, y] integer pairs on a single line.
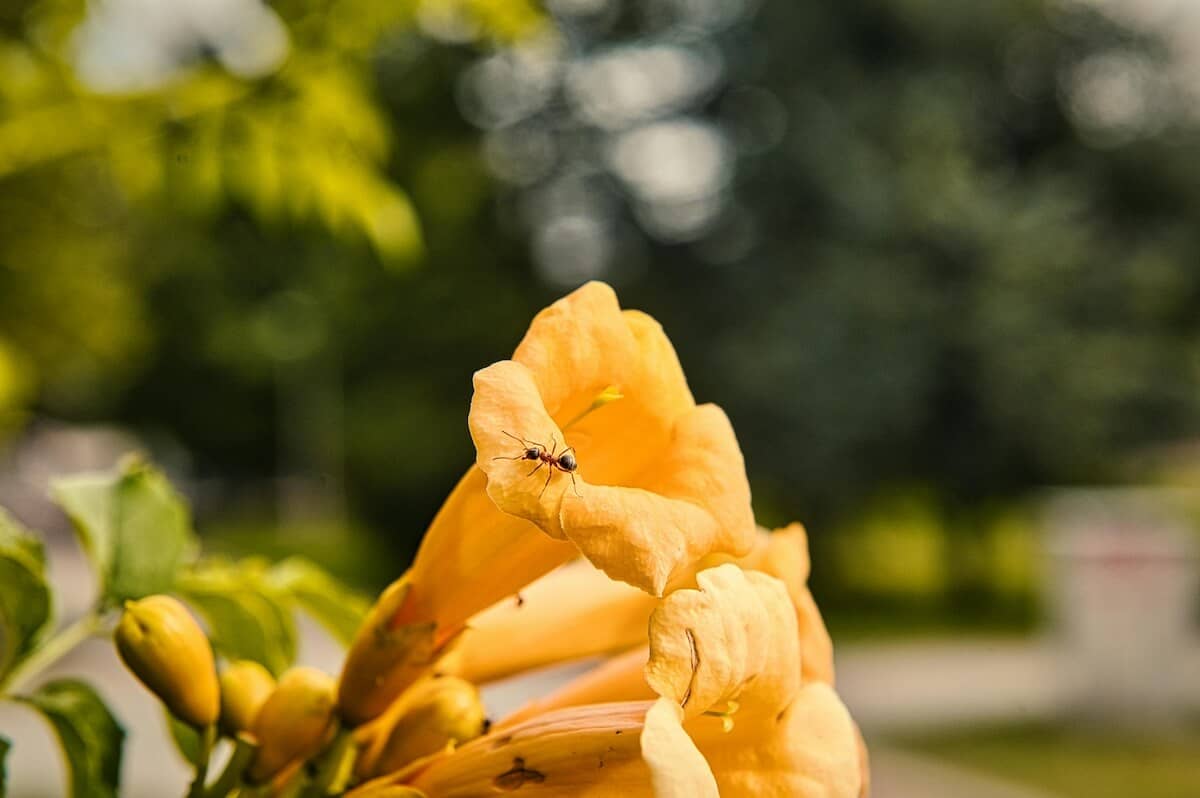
[[730, 650], [695, 501], [577, 347], [677, 767], [809, 751], [784, 554], [475, 555], [620, 678], [573, 612], [733, 640], [505, 407], [590, 751]]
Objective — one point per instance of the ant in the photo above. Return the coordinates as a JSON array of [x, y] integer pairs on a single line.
[[564, 462]]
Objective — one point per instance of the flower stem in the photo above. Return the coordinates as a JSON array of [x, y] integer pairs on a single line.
[[51, 651], [334, 766], [207, 737], [231, 776]]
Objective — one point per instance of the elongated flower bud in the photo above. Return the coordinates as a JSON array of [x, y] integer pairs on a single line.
[[294, 723], [164, 647], [394, 647], [245, 687], [433, 713]]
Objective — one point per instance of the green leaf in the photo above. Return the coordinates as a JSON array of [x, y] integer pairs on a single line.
[[185, 737], [90, 736], [24, 593], [15, 537], [88, 500], [134, 526], [4, 746], [335, 606], [246, 616]]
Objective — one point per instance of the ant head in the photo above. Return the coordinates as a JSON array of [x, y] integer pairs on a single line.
[[532, 453], [567, 461]]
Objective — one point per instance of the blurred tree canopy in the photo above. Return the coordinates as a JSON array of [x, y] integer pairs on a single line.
[[941, 254]]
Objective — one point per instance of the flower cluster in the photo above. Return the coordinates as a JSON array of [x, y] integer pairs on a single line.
[[607, 515]]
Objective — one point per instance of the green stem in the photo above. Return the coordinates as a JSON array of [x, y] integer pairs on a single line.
[[231, 776], [51, 651], [207, 737], [334, 766]]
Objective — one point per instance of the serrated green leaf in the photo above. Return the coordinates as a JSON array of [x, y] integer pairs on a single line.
[[89, 735], [25, 599], [247, 618], [4, 746], [134, 526], [185, 737], [335, 606]]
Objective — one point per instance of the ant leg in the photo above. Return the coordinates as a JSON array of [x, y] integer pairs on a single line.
[[549, 475], [523, 441], [535, 469], [555, 442], [568, 449], [518, 457], [574, 485]]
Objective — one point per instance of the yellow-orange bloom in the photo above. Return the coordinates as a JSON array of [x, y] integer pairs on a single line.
[[660, 484], [784, 555], [733, 715], [573, 612], [726, 661], [554, 635]]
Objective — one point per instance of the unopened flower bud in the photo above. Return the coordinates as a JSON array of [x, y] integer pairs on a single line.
[[393, 648], [245, 687], [430, 715], [164, 647], [294, 723]]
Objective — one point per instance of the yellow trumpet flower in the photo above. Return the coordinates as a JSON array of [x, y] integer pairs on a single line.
[[733, 716], [656, 484]]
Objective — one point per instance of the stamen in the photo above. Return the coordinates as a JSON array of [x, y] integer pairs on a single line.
[[725, 716], [610, 394]]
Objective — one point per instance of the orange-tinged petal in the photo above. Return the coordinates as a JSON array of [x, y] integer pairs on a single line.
[[573, 612], [733, 640], [506, 399], [784, 554], [474, 555], [584, 344], [591, 751], [728, 656], [695, 501], [809, 751], [620, 678]]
